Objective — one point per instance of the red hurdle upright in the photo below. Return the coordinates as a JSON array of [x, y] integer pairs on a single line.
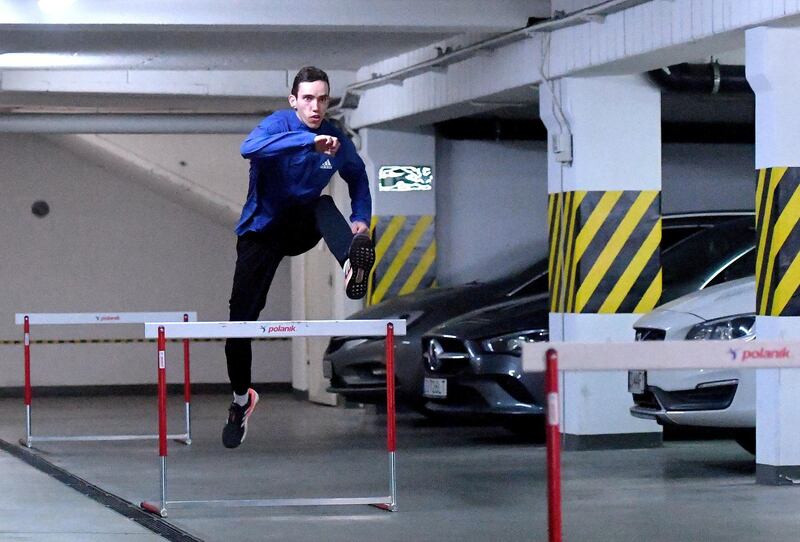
[[27, 342], [187, 388], [391, 423], [553, 448]]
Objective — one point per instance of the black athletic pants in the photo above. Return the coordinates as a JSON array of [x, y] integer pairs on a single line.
[[295, 231]]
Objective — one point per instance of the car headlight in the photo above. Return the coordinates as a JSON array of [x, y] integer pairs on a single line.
[[511, 343], [740, 326]]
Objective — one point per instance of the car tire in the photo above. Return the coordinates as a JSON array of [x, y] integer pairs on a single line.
[[747, 440]]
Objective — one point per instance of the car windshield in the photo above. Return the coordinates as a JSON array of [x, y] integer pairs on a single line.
[[695, 261]]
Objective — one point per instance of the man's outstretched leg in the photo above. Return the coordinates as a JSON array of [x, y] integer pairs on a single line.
[[256, 262], [355, 253]]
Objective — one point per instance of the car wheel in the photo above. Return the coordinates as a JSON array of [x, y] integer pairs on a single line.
[[747, 440]]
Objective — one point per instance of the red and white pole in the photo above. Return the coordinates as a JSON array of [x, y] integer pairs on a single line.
[[161, 509], [28, 394], [391, 420], [553, 448], [187, 387]]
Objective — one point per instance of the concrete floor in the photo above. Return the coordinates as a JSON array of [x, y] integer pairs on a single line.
[[467, 483]]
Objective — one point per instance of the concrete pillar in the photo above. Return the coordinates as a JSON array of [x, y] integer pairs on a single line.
[[605, 229], [402, 171], [770, 55]]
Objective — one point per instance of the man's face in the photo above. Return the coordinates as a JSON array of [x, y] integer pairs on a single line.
[[311, 102]]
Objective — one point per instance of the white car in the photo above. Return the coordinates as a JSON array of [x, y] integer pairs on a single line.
[[704, 398]]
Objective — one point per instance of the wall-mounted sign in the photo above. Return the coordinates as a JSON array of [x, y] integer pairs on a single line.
[[405, 178]]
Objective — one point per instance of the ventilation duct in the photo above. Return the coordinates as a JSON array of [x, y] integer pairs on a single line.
[[711, 78]]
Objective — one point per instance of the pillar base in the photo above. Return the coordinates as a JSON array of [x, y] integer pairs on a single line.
[[611, 441], [782, 475]]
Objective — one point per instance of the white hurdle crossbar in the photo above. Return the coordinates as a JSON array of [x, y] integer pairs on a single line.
[[99, 318], [275, 329], [646, 355]]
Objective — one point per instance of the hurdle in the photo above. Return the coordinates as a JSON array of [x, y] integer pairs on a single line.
[[103, 318], [275, 329], [551, 358]]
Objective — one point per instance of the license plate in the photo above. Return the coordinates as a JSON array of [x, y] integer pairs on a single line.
[[637, 380], [435, 388]]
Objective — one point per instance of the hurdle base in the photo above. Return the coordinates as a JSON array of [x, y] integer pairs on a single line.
[[388, 507], [384, 503], [182, 438], [153, 509]]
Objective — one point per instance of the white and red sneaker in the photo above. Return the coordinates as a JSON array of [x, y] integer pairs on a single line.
[[235, 429]]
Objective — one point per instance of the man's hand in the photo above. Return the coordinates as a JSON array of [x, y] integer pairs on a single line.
[[359, 227], [326, 144]]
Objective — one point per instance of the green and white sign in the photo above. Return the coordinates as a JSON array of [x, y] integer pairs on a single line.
[[405, 178]]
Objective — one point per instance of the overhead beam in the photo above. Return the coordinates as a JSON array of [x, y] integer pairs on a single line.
[[266, 83], [107, 123], [284, 15]]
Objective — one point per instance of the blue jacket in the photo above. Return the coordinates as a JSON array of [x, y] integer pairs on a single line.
[[286, 171]]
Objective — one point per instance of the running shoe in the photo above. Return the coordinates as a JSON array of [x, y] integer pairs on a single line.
[[358, 266], [235, 430]]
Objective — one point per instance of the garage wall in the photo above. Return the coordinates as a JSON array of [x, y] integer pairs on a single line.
[[492, 199], [210, 164], [491, 204], [110, 244], [703, 177]]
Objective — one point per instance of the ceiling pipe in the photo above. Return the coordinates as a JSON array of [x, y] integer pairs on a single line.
[[126, 123], [711, 78]]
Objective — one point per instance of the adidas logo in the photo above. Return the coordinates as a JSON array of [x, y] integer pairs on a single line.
[[326, 165]]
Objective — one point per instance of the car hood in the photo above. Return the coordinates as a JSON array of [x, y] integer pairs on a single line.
[[734, 297], [421, 300], [429, 307], [521, 314]]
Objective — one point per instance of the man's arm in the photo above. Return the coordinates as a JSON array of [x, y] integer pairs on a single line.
[[269, 139]]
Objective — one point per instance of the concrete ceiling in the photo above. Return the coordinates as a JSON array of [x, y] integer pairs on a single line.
[[232, 56], [238, 56]]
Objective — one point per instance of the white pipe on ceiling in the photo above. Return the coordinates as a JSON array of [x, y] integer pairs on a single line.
[[127, 123]]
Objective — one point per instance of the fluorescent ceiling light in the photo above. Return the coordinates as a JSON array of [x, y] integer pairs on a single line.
[[54, 6], [44, 60]]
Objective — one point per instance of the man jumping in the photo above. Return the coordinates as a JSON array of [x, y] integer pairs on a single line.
[[293, 154]]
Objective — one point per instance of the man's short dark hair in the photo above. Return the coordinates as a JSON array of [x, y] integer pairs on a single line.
[[309, 74]]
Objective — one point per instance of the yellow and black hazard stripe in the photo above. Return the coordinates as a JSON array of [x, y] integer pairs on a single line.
[[604, 251], [405, 256], [778, 240]]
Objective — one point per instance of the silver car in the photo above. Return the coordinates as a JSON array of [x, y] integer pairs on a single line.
[[722, 398]]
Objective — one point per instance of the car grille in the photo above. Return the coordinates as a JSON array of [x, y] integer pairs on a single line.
[[464, 396], [706, 398], [646, 400], [649, 334], [452, 356], [515, 389]]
